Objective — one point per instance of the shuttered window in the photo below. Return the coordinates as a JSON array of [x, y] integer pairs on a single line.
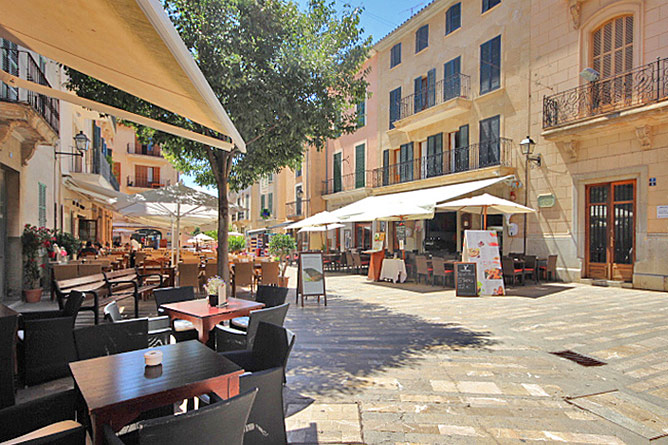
[[421, 38], [490, 65], [451, 79], [41, 205], [434, 159], [395, 106], [489, 4], [360, 166], [10, 64], [453, 18], [270, 203], [490, 148], [406, 162], [613, 47], [395, 55], [337, 172], [361, 114], [263, 202], [386, 167]]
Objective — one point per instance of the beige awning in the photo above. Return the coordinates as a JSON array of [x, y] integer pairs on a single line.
[[130, 44]]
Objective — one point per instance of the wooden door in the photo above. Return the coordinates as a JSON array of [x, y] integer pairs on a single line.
[[610, 230]]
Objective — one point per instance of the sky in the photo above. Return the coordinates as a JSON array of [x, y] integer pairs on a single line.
[[379, 17]]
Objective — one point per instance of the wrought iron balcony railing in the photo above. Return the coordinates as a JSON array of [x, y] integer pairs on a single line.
[[497, 152], [297, 208], [21, 64], [458, 85], [640, 86], [144, 149], [102, 167], [347, 182]]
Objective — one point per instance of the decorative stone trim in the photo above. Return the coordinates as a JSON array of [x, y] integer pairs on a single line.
[[644, 135], [570, 147]]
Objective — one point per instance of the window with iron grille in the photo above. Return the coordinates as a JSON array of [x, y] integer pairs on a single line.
[[41, 206], [421, 38], [490, 65], [395, 55], [489, 4], [453, 18]]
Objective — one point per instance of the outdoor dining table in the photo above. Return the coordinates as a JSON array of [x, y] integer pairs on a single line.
[[393, 269], [119, 387], [205, 317]]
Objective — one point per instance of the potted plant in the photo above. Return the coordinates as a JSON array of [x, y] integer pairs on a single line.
[[236, 244], [68, 242], [281, 246], [216, 290], [265, 214], [33, 240]]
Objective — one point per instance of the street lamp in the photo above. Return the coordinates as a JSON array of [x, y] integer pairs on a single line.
[[527, 146], [81, 143]]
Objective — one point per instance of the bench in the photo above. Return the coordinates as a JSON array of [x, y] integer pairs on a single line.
[[105, 288]]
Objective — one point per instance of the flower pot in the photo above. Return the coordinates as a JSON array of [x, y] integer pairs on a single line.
[[213, 300], [283, 281], [32, 295]]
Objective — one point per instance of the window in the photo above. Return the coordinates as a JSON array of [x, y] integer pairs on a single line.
[[489, 4], [612, 55], [434, 158], [451, 79], [453, 18], [422, 38], [359, 166], [298, 172], [299, 195], [386, 167], [270, 203], [425, 91], [490, 147], [361, 114], [461, 155], [406, 162], [337, 173], [10, 64], [263, 203], [395, 106], [395, 55], [490, 65], [41, 206]]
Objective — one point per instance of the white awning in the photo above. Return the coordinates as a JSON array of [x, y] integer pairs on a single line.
[[129, 44], [416, 204]]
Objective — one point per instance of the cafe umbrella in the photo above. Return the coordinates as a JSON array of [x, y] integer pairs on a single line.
[[485, 204]]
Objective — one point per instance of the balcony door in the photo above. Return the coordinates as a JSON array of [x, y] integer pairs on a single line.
[[610, 230], [490, 149], [461, 151]]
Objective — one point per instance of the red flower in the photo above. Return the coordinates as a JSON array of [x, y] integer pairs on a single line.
[[43, 266]]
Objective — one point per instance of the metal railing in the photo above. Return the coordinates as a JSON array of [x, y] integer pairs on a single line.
[[21, 64], [102, 167], [497, 152], [146, 182], [639, 86], [458, 85], [347, 182], [296, 208], [143, 149]]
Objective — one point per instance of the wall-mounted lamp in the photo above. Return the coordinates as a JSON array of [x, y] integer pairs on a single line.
[[81, 143]]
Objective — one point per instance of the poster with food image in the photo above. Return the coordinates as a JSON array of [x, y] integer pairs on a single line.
[[482, 247], [312, 274]]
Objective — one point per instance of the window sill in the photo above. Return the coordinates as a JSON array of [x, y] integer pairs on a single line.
[[423, 50], [491, 93], [491, 9], [448, 34]]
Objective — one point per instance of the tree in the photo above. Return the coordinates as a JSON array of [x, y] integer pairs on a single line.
[[288, 79]]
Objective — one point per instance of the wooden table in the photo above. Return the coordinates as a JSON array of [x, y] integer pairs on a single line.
[[117, 388], [375, 263], [205, 317]]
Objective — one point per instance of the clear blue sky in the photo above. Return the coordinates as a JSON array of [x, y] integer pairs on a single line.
[[378, 19]]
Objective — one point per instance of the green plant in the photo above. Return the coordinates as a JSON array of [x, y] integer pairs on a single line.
[[68, 242], [212, 233], [33, 239], [236, 243], [281, 246]]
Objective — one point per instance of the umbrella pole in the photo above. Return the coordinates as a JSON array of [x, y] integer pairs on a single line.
[[484, 220], [178, 239], [172, 256]]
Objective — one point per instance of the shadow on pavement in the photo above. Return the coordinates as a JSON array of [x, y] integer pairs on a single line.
[[535, 291]]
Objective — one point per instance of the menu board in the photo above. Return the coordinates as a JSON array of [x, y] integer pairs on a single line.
[[378, 241], [482, 247], [311, 276], [466, 283]]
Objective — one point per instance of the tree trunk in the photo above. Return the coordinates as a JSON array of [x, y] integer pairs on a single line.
[[221, 162]]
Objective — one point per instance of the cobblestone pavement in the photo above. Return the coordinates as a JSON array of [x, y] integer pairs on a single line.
[[409, 364]]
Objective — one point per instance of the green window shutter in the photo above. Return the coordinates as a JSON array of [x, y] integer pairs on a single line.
[[418, 94], [262, 204], [386, 167], [270, 204], [431, 87], [361, 114], [359, 166], [395, 106], [42, 205], [337, 172]]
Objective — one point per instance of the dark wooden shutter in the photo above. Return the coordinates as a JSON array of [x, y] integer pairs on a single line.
[[490, 65], [386, 167], [451, 80], [359, 166], [337, 172], [417, 94], [431, 87], [453, 18], [395, 103]]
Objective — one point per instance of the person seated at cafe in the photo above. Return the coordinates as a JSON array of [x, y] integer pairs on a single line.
[[88, 249]]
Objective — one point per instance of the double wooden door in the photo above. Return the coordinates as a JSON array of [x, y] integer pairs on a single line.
[[610, 230]]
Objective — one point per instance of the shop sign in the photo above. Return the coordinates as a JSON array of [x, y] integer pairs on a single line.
[[662, 212]]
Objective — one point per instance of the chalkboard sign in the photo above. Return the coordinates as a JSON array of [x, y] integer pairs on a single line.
[[466, 282]]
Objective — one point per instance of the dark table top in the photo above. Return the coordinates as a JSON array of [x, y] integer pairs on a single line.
[[6, 311], [202, 309], [118, 378]]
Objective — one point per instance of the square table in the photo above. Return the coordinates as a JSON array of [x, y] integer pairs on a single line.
[[393, 269], [117, 388], [205, 317]]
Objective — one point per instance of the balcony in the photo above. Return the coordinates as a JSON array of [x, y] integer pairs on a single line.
[[347, 183], [94, 162], [610, 96], [296, 209], [143, 181], [144, 149], [21, 64], [449, 97], [495, 153]]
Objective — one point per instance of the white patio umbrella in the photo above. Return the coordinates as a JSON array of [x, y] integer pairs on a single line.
[[319, 219], [485, 204], [324, 228], [234, 234], [201, 238]]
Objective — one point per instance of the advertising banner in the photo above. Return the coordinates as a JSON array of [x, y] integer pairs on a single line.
[[482, 247]]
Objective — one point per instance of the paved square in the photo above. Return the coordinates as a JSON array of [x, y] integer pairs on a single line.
[[413, 364]]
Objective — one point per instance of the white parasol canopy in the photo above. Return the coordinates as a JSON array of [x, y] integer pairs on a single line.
[[486, 204], [201, 238], [324, 228], [234, 234], [319, 219]]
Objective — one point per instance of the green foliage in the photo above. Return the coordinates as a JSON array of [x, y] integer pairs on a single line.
[[33, 240], [236, 243], [196, 231], [212, 233], [281, 245], [68, 242]]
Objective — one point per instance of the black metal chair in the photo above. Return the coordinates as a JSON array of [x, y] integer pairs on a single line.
[[509, 270], [271, 296], [113, 338], [530, 268], [159, 328], [46, 344], [47, 420], [8, 328], [219, 423], [271, 348], [231, 339], [183, 330]]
